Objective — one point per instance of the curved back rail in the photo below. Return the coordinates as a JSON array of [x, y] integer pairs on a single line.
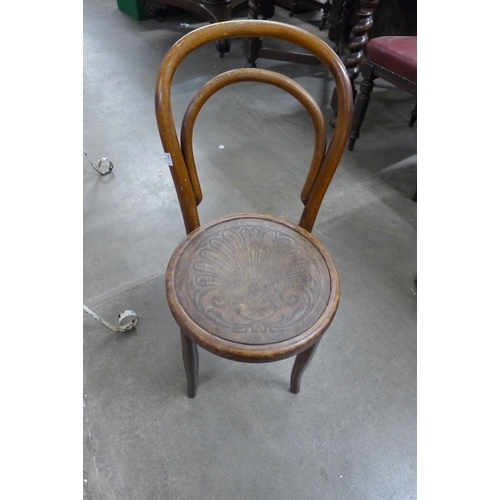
[[323, 164]]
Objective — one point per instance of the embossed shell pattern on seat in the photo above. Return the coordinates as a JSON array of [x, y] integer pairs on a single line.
[[252, 281]]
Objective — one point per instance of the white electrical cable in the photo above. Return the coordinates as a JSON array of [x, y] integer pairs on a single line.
[[100, 168], [126, 327]]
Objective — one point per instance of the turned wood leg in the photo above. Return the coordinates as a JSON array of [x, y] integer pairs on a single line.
[[327, 6], [360, 108], [334, 102], [190, 359], [302, 361], [251, 48], [257, 9], [223, 46]]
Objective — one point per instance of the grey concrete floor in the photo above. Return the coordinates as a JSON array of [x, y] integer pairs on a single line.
[[351, 432]]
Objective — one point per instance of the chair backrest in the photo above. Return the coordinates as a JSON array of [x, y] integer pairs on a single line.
[[180, 153]]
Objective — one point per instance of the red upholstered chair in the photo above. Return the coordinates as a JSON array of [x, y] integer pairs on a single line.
[[393, 58]]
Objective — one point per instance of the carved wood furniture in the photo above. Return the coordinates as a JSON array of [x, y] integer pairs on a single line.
[[358, 38], [394, 59], [251, 287], [253, 47], [212, 11], [351, 40], [350, 34], [354, 22], [324, 6]]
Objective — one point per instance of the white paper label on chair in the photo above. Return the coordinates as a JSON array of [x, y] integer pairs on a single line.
[[169, 159]]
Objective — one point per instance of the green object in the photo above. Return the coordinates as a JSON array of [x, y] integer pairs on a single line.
[[134, 8]]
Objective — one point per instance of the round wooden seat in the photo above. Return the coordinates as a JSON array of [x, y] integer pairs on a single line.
[[252, 287]]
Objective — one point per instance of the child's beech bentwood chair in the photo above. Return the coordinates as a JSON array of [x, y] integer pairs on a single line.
[[251, 287]]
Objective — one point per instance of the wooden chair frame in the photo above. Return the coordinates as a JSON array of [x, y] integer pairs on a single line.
[[183, 168]]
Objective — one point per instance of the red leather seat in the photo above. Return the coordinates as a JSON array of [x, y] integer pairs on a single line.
[[396, 53], [393, 58]]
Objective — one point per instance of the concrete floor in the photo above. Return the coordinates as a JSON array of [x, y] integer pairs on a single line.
[[351, 432]]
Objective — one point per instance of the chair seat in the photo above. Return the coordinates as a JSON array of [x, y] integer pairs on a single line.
[[395, 53], [252, 287]]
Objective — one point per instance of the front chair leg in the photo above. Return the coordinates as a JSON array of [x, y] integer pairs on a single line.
[[190, 359], [302, 361]]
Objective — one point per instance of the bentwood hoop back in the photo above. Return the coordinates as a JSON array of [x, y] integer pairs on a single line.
[[251, 287]]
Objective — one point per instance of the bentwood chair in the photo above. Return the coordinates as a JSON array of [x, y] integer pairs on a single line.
[[251, 287], [394, 59]]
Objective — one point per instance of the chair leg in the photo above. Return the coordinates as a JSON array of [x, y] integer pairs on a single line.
[[334, 102], [360, 108], [413, 117], [302, 361], [251, 49], [190, 359], [327, 6]]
